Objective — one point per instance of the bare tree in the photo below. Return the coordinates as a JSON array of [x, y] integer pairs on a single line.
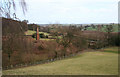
[[11, 38], [8, 8], [109, 29]]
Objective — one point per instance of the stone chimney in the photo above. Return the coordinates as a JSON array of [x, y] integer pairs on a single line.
[[37, 34]]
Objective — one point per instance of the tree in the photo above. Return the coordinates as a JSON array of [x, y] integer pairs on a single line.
[[93, 26], [109, 29], [99, 28], [8, 8], [10, 43], [26, 21], [69, 37], [42, 35]]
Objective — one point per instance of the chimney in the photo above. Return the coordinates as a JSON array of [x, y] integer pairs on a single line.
[[37, 34]]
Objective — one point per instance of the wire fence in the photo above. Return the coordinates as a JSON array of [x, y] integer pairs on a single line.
[[37, 63]]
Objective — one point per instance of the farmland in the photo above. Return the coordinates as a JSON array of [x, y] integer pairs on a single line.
[[115, 28], [89, 63], [30, 32]]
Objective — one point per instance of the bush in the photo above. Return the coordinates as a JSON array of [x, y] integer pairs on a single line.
[[34, 35], [42, 35], [115, 40], [40, 47], [31, 57], [80, 43], [46, 36]]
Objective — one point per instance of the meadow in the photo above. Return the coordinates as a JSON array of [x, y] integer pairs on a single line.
[[88, 63], [30, 32], [103, 29]]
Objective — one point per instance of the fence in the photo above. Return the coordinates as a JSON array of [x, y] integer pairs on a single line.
[[36, 63]]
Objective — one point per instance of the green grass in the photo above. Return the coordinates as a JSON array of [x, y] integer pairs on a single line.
[[46, 39], [90, 28], [115, 28], [30, 32], [111, 50], [88, 63]]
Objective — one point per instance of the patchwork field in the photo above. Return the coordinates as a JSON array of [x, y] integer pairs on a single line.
[[115, 28], [88, 63]]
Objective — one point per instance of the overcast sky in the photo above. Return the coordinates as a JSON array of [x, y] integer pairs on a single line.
[[70, 11]]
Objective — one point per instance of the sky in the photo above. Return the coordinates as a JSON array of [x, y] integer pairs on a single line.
[[70, 11]]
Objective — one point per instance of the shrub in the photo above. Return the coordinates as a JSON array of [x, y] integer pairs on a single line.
[[46, 36], [42, 35], [34, 35], [115, 40], [40, 47]]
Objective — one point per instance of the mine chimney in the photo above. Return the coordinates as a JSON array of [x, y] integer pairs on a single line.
[[37, 34]]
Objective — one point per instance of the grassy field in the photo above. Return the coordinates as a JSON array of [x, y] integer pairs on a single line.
[[45, 39], [88, 63], [30, 32], [115, 28], [111, 50]]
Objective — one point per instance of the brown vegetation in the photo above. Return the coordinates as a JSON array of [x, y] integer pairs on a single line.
[[19, 49]]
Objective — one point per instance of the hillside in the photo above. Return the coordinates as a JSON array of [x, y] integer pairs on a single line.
[[88, 63]]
